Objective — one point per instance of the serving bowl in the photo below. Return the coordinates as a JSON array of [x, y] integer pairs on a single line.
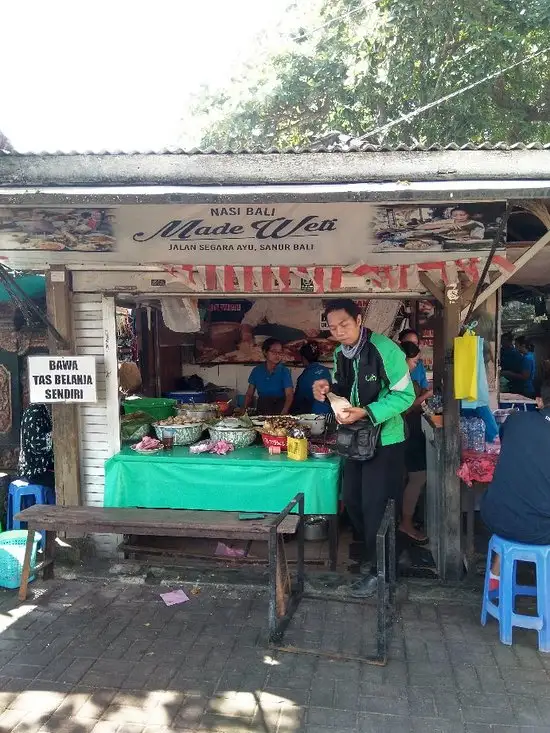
[[240, 437], [183, 434]]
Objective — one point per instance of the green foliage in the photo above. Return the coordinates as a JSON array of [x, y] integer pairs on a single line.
[[370, 62]]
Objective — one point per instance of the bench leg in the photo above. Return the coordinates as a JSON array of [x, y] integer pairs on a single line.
[[26, 565], [49, 555], [284, 588], [333, 541], [272, 553]]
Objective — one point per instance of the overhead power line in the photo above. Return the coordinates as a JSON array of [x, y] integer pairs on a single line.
[[405, 117]]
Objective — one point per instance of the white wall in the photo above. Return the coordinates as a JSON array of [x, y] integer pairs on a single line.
[[234, 376], [95, 334]]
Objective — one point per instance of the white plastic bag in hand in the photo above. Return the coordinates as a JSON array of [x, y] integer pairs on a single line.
[[339, 405]]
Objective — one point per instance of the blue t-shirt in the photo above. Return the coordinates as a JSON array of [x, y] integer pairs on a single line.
[[515, 361], [304, 402], [517, 503], [418, 375], [270, 384], [529, 363]]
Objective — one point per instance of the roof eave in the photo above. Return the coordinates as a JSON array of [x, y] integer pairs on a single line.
[[276, 169], [383, 193]]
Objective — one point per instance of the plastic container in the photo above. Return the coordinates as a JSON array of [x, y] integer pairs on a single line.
[[519, 405], [464, 434], [502, 415], [316, 529], [316, 423], [12, 555], [158, 407], [185, 397], [477, 435], [271, 441]]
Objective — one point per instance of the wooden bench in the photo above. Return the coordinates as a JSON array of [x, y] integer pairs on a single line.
[[283, 596]]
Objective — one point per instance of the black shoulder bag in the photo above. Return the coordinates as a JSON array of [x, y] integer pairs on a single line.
[[358, 441]]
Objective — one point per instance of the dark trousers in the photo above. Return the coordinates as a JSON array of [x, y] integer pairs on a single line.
[[367, 486]]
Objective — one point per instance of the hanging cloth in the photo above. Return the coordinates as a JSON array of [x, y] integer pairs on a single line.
[[482, 384], [466, 351]]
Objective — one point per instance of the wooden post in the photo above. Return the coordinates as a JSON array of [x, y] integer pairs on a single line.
[[66, 444], [451, 516]]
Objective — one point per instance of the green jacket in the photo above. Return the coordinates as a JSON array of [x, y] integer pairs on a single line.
[[379, 381]]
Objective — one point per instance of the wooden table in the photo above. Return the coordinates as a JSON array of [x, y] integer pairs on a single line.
[[246, 480]]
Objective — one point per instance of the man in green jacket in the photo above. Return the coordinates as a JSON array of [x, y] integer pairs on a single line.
[[371, 371]]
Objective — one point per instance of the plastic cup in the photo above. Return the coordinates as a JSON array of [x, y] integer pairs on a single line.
[[168, 438]]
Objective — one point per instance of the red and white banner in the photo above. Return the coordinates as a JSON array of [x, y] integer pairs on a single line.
[[361, 277]]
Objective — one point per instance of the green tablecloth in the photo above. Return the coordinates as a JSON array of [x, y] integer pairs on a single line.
[[247, 480]]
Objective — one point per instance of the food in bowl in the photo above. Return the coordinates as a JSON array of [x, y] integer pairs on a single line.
[[180, 420], [240, 437], [320, 451], [279, 426], [183, 434], [315, 423]]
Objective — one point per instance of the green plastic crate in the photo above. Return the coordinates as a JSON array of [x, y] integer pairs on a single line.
[[158, 407]]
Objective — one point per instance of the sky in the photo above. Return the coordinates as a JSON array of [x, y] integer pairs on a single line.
[[115, 74]]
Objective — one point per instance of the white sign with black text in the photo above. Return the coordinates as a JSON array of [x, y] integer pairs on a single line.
[[62, 379], [245, 234]]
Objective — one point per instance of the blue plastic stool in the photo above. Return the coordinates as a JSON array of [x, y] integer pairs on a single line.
[[510, 553], [20, 490]]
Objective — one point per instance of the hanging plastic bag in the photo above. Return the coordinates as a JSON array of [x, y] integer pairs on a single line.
[[465, 366], [181, 314], [482, 384]]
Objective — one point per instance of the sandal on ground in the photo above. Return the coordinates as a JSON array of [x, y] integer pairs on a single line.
[[421, 541]]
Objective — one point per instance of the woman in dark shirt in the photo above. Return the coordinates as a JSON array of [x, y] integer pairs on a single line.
[[36, 456]]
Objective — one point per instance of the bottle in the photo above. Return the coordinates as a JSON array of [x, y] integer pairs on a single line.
[[477, 435], [464, 433]]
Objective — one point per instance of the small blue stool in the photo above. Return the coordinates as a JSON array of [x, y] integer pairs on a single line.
[[20, 490], [510, 553]]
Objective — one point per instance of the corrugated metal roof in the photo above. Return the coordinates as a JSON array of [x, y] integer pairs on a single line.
[[332, 143]]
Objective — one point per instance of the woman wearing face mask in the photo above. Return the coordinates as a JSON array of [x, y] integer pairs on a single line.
[[272, 381], [304, 401], [371, 372]]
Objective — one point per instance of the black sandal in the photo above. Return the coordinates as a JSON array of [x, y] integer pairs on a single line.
[[420, 542]]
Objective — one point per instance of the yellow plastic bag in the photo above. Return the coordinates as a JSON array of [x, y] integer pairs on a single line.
[[465, 366], [297, 449]]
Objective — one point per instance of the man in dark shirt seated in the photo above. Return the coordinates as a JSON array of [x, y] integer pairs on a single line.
[[516, 506]]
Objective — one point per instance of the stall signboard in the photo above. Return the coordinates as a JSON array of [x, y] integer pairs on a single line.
[[62, 379], [234, 330], [246, 234]]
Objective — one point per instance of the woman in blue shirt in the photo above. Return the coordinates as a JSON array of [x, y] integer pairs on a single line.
[[304, 401], [272, 381]]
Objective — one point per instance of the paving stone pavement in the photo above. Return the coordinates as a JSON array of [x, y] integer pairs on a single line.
[[108, 657]]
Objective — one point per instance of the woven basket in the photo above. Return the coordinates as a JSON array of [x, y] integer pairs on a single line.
[[12, 555]]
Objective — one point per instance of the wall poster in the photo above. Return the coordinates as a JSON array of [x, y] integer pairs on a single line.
[[233, 331], [57, 230], [445, 228]]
